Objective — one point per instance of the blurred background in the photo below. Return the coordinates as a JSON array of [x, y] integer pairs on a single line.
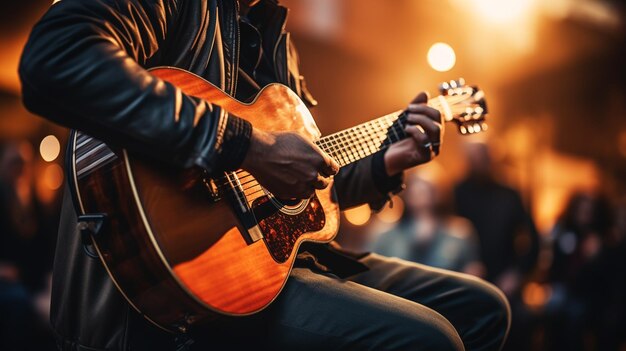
[[536, 205]]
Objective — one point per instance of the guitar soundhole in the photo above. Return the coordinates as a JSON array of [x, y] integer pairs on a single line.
[[281, 230]]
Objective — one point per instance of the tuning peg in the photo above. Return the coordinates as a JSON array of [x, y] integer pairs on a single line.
[[461, 81], [479, 98], [453, 84], [443, 88]]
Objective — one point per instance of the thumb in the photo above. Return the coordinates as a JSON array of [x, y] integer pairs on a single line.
[[421, 98]]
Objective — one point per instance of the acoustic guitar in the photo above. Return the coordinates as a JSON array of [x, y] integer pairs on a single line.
[[187, 248]]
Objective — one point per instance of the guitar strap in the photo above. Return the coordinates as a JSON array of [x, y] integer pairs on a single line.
[[329, 258], [90, 226]]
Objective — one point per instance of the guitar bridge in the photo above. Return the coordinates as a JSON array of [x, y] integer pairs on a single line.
[[252, 232]]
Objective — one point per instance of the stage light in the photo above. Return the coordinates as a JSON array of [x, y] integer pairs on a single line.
[[498, 11], [358, 215], [49, 148], [441, 57]]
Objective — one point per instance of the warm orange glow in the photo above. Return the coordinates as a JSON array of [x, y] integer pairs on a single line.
[[536, 295], [358, 215], [502, 12], [53, 176], [392, 214], [441, 57], [556, 177], [49, 148]]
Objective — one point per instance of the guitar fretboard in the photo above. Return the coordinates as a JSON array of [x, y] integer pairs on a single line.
[[353, 144]]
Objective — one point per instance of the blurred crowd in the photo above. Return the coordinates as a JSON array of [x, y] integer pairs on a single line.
[[28, 229], [566, 287]]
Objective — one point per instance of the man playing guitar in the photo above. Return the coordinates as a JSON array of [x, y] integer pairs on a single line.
[[85, 67]]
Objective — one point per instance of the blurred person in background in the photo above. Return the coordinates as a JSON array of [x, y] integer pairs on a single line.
[[587, 276], [429, 236], [26, 246], [509, 242]]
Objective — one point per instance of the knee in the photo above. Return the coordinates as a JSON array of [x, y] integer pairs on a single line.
[[431, 331], [494, 311]]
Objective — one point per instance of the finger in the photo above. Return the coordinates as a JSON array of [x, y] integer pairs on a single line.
[[418, 134], [421, 98], [423, 150], [303, 192], [432, 113], [329, 166], [432, 129], [320, 183]]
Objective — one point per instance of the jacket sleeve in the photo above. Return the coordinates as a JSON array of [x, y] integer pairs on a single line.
[[366, 182], [83, 67]]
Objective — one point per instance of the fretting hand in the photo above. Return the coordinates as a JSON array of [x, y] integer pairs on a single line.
[[424, 129]]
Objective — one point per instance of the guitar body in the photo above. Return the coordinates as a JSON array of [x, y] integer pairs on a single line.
[[183, 248]]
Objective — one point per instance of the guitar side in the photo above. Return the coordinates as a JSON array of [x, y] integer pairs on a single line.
[[179, 257]]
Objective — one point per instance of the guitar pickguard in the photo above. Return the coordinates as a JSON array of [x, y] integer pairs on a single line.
[[281, 231]]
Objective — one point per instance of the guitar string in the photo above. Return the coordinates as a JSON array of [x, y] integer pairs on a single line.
[[367, 151], [357, 141], [245, 191], [244, 181], [358, 129], [361, 140], [343, 141], [354, 156], [435, 103], [358, 137]]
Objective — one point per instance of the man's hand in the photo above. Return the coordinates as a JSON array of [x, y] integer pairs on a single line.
[[425, 131], [288, 165]]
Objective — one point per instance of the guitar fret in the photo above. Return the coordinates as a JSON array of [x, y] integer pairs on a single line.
[[363, 140]]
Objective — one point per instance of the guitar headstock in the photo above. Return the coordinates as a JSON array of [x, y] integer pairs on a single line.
[[462, 104]]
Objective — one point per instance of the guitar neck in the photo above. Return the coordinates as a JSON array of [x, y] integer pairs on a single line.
[[353, 144]]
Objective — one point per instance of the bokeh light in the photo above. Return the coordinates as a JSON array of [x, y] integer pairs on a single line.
[[53, 176], [392, 212], [358, 215], [536, 295], [50, 148], [441, 57]]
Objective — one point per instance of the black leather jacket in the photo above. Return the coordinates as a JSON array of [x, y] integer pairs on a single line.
[[84, 67]]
